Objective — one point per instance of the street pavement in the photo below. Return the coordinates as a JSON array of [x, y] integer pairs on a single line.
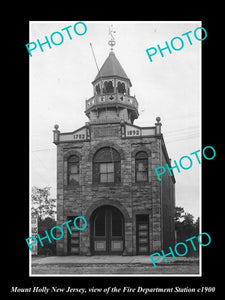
[[108, 265]]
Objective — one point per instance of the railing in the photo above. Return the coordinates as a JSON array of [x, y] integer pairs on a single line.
[[112, 98]]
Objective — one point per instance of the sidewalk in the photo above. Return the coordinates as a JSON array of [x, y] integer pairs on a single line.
[[108, 265], [107, 260]]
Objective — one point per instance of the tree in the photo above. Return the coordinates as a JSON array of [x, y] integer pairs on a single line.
[[42, 204], [45, 207], [188, 219], [178, 213], [186, 228], [48, 248], [196, 226]]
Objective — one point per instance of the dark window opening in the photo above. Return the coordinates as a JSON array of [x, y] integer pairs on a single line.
[[99, 224], [108, 87], [98, 89], [121, 87], [117, 224], [73, 170], [141, 167]]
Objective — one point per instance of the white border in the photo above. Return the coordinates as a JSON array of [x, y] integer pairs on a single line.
[[200, 169]]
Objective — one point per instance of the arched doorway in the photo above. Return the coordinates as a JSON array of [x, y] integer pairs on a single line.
[[107, 231]]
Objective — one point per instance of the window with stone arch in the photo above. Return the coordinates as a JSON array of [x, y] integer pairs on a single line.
[[106, 166], [73, 170], [141, 167], [121, 87]]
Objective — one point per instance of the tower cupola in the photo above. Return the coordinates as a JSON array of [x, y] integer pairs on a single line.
[[112, 100]]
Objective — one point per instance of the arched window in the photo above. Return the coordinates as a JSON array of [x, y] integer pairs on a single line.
[[73, 170], [121, 87], [141, 167], [106, 166], [108, 87], [98, 89]]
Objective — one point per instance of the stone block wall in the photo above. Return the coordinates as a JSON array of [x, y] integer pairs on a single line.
[[129, 197], [168, 209]]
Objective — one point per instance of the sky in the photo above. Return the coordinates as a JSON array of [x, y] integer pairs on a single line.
[[168, 87]]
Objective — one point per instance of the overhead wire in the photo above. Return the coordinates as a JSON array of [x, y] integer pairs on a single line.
[[39, 150]]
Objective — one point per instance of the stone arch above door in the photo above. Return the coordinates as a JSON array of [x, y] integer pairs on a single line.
[[114, 203]]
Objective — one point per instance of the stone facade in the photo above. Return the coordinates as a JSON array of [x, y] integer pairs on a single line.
[[151, 200]]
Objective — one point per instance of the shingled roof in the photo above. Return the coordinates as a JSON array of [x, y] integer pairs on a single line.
[[111, 67]]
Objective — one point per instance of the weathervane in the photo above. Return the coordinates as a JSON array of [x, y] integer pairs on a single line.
[[112, 41]]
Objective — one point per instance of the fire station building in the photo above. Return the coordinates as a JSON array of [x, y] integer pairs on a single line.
[[105, 172]]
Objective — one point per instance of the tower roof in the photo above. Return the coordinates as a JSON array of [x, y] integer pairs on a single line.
[[111, 67]]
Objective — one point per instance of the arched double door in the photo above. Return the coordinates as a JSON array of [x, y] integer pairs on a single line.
[[107, 231]]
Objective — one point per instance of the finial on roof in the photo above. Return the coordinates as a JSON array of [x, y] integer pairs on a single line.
[[112, 41], [158, 126]]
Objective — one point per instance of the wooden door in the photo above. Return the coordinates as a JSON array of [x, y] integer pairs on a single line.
[[142, 234], [107, 231]]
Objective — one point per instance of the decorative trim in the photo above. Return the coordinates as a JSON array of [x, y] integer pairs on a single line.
[[141, 148], [114, 203], [70, 152]]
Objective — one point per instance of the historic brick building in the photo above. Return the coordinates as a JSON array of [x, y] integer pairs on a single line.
[[105, 172]]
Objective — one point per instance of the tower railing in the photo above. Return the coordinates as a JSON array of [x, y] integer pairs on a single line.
[[112, 98]]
